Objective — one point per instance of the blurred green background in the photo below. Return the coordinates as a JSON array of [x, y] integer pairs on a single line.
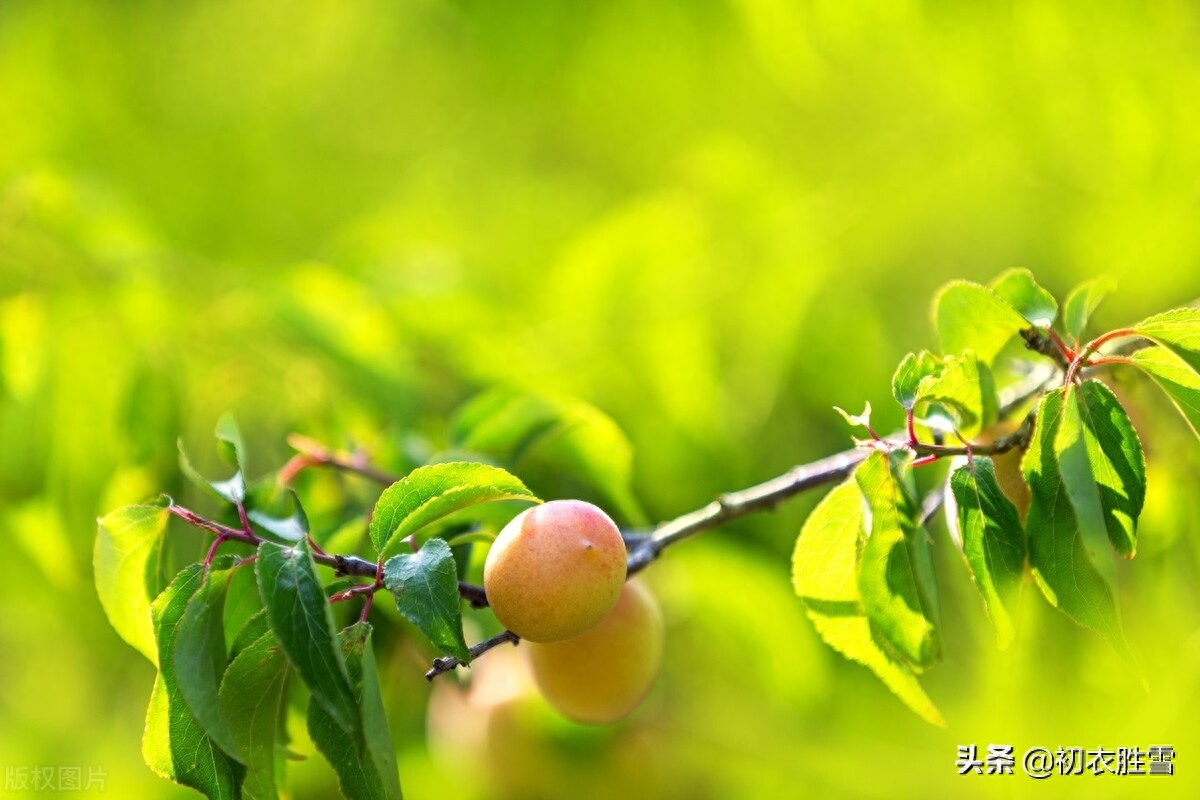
[[712, 220]]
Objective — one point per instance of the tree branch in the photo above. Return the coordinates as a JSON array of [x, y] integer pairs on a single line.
[[311, 453], [799, 479], [642, 548], [449, 663]]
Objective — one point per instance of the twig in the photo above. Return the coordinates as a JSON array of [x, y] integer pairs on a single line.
[[311, 453], [449, 663], [818, 473]]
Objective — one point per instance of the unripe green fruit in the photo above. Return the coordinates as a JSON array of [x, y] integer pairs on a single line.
[[555, 570], [602, 675]]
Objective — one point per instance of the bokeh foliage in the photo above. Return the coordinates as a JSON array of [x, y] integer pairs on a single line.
[[714, 221]]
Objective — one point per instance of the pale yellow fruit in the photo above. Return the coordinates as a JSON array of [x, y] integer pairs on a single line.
[[555, 570], [602, 675]]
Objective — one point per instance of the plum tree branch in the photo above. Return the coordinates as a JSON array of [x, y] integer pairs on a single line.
[[767, 495], [450, 663], [643, 549]]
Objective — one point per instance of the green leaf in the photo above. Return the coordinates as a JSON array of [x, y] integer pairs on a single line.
[[125, 563], [1019, 289], [1118, 466], [251, 631], [277, 511], [862, 420], [174, 745], [1082, 303], [200, 657], [230, 443], [425, 584], [913, 369], [1176, 378], [1075, 471], [899, 591], [993, 540], [232, 490], [1062, 568], [825, 576], [959, 396], [251, 696], [969, 316], [369, 771], [300, 617], [526, 431], [1178, 329], [429, 493]]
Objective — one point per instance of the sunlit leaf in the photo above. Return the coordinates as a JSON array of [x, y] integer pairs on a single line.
[[825, 576], [913, 369], [250, 698], [960, 396], [299, 614], [367, 771], [895, 579], [1176, 378], [1082, 303], [1179, 330], [429, 493], [174, 745], [968, 316], [1019, 289], [1118, 465], [125, 563], [425, 584], [200, 657], [993, 540], [1061, 566], [862, 420]]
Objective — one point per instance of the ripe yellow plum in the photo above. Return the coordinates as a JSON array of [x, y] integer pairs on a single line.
[[602, 675], [555, 570]]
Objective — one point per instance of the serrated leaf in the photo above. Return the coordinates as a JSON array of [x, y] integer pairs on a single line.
[[369, 771], [913, 368], [251, 696], [429, 493], [525, 431], [824, 574], [299, 615], [969, 316], [1062, 568], [1075, 471], [960, 396], [993, 540], [895, 579], [200, 657], [125, 564], [425, 584], [174, 745], [1117, 462], [1018, 288], [1179, 330], [1176, 378], [1082, 303]]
